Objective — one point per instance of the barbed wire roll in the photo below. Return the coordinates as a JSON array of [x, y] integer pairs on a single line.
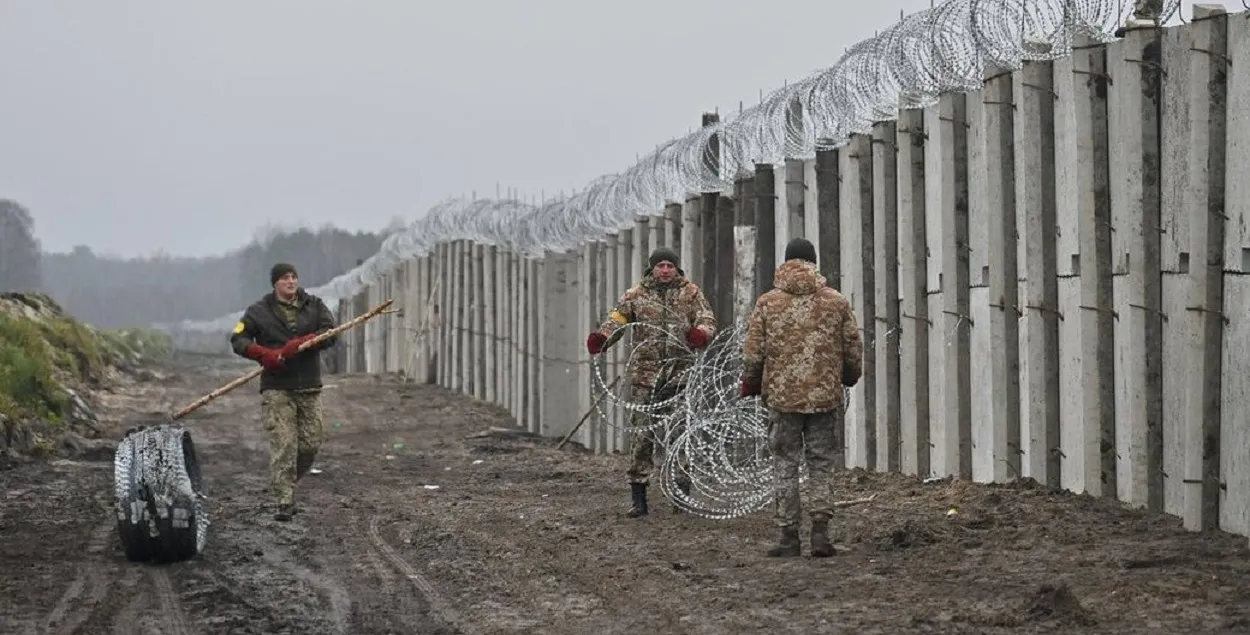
[[158, 495]]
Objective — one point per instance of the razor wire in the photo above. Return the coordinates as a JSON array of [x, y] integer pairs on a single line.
[[908, 65], [716, 462], [714, 443]]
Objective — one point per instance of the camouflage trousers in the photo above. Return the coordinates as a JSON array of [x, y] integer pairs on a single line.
[[643, 442], [795, 437], [293, 421]]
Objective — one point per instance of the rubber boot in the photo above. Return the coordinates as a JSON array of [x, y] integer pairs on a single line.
[[285, 512], [639, 491], [303, 463], [788, 546], [683, 486], [821, 547]]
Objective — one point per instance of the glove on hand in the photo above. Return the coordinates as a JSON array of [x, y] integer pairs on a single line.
[[696, 337], [269, 358], [749, 389], [595, 342], [291, 348]]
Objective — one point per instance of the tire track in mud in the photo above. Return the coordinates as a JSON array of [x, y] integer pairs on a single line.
[[170, 617], [340, 602], [69, 613], [438, 606]]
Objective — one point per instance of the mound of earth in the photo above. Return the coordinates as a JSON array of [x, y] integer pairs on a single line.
[[52, 369]]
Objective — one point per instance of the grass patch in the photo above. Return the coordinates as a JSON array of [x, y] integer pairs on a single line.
[[28, 385], [139, 343]]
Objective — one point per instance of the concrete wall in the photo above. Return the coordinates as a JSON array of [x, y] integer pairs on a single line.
[[1051, 274]]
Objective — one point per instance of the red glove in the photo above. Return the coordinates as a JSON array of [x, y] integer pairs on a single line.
[[696, 337], [291, 348], [749, 389], [595, 342], [269, 358]]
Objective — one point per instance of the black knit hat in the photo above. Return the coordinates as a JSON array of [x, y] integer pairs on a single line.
[[662, 254], [279, 270], [801, 248]]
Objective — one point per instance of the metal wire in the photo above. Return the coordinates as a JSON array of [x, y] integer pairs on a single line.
[[709, 437], [928, 53]]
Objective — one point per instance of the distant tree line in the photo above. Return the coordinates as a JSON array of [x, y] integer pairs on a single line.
[[111, 292], [19, 249]]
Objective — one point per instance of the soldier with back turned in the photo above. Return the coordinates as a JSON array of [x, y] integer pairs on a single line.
[[802, 347]]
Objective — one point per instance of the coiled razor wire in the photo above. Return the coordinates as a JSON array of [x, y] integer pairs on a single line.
[[909, 65], [714, 443], [939, 50]]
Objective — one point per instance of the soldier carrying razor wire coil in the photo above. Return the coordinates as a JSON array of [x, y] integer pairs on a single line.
[[666, 308], [802, 346], [271, 332]]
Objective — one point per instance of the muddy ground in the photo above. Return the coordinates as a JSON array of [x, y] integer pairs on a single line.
[[521, 538]]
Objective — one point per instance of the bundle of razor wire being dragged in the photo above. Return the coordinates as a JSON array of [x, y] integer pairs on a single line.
[[159, 495], [716, 461]]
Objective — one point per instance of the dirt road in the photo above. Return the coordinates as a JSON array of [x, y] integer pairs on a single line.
[[520, 538]]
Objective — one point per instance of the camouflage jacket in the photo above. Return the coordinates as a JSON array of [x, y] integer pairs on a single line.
[[660, 313], [803, 343]]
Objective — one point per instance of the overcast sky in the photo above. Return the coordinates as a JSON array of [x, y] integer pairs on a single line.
[[133, 126]]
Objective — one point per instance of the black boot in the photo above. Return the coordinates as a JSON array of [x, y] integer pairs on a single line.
[[303, 463], [639, 490], [788, 546], [821, 547], [683, 486]]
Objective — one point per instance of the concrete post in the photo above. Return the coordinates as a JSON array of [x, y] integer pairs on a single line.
[[956, 308], [885, 266], [744, 215], [672, 229], [1036, 217], [344, 348], [745, 271], [360, 362], [811, 210], [490, 348], [692, 241], [796, 203], [709, 256], [981, 373], [535, 385], [658, 235], [998, 110], [913, 275], [625, 268], [1205, 207], [859, 285], [829, 215], [526, 313], [1234, 381], [446, 277], [456, 315], [642, 245], [500, 331], [587, 318], [1133, 124], [478, 325], [722, 303], [765, 227], [604, 301]]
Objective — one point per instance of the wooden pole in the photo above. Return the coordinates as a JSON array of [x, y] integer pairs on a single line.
[[203, 401]]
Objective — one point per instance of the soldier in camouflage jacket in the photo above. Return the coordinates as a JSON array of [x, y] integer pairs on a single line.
[[671, 317], [803, 345]]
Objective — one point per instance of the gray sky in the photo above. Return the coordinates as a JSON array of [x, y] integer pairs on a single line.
[[134, 126]]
